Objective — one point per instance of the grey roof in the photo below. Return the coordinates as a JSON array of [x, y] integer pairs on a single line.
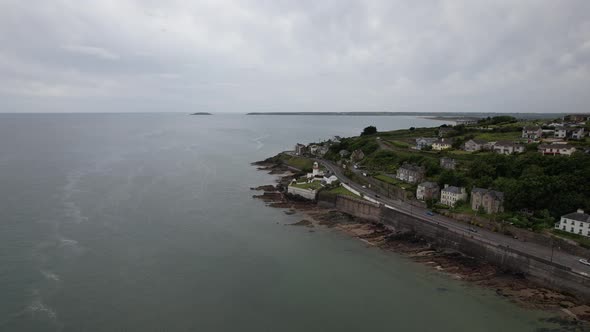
[[412, 167], [428, 184], [495, 194], [531, 128], [507, 143], [478, 141], [577, 216], [427, 139], [444, 140], [452, 189], [555, 146]]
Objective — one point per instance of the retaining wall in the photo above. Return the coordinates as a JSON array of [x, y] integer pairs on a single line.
[[547, 273]]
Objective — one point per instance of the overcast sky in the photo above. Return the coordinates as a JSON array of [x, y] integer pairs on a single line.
[[274, 55]]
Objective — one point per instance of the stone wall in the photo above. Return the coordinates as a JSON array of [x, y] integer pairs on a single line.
[[305, 193], [547, 273]]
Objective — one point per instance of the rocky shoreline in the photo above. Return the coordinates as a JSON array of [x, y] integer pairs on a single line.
[[572, 313]]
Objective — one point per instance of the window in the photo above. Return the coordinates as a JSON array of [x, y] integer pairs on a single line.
[[572, 230]]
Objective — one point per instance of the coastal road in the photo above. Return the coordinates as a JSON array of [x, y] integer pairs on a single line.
[[484, 235]]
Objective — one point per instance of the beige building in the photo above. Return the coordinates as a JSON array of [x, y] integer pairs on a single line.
[[490, 200], [427, 190], [450, 195], [442, 144]]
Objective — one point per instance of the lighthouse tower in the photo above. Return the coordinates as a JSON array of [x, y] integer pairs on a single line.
[[316, 169]]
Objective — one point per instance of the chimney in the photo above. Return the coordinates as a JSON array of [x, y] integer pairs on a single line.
[[580, 211]]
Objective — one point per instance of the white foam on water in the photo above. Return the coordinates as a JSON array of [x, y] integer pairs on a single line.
[[38, 307], [63, 242], [50, 275], [259, 141]]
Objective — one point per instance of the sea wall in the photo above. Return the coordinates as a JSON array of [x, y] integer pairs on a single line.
[[549, 274], [305, 193]]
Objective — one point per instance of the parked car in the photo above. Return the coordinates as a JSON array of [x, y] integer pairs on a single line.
[[430, 213], [377, 196], [584, 261], [473, 230]]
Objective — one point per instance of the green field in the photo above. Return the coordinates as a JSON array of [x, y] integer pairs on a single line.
[[388, 179], [300, 163], [311, 185], [342, 191]]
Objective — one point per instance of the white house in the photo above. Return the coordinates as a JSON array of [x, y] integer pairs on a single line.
[[450, 195], [442, 144], [577, 222], [507, 147], [556, 149], [532, 132]]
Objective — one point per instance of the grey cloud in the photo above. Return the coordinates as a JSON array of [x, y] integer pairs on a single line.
[[346, 55]]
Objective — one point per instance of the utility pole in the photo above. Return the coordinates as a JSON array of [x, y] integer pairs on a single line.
[[552, 247]]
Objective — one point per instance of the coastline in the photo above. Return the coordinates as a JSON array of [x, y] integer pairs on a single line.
[[570, 311]]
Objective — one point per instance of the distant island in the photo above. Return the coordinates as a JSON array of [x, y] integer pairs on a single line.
[[434, 115], [201, 113]]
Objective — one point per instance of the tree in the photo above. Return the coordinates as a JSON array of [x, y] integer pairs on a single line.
[[370, 130]]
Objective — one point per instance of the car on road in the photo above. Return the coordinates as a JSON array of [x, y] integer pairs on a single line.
[[364, 186], [429, 213], [377, 196], [471, 229], [584, 261]]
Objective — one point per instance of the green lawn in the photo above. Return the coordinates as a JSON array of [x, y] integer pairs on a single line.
[[342, 191], [312, 185], [297, 162], [580, 239], [491, 136], [388, 179], [399, 144]]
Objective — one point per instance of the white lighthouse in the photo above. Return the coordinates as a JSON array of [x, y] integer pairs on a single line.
[[316, 169]]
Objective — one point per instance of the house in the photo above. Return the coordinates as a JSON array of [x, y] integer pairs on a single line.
[[321, 150], [343, 153], [576, 133], [576, 117], [444, 131], [448, 163], [490, 200], [450, 195], [410, 173], [532, 132], [473, 145], [507, 147], [576, 222], [357, 155], [428, 191], [556, 149], [442, 144], [560, 132], [300, 149], [423, 142]]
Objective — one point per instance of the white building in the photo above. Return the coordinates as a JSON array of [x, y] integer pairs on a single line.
[[442, 144], [308, 193], [450, 195], [315, 172], [506, 147], [577, 222], [556, 149]]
